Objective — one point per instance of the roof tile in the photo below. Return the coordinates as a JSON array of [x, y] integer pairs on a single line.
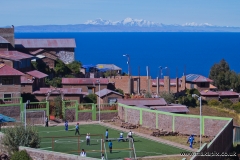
[[84, 80], [37, 74], [6, 70]]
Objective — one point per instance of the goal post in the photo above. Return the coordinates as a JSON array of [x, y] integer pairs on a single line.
[[34, 117]]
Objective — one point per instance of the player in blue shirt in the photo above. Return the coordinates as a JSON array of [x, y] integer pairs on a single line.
[[77, 129], [66, 125], [106, 134], [110, 146], [191, 140]]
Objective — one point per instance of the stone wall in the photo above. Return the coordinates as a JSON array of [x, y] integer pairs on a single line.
[[11, 111], [187, 125], [84, 116], [121, 112], [66, 56], [215, 125], [36, 117], [148, 119], [38, 154], [107, 116], [70, 115], [165, 121], [133, 116]]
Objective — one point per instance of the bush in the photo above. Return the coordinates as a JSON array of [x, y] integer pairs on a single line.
[[188, 101], [213, 102], [91, 98], [22, 155], [148, 95], [236, 107], [169, 97], [17, 136], [226, 103]]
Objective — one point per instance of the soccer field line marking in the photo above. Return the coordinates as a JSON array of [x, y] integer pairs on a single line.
[[55, 131]]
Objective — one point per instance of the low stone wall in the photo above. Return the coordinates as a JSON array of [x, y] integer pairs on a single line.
[[187, 125], [107, 116], [84, 116], [165, 121], [148, 119], [70, 115], [11, 111], [38, 154]]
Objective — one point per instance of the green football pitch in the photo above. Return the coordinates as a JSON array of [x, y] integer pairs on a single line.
[[57, 139]]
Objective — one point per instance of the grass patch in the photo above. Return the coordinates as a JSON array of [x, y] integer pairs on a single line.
[[144, 147]]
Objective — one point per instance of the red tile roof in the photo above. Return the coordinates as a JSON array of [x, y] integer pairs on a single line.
[[84, 81], [218, 93], [228, 93], [45, 43], [37, 74], [208, 93], [64, 90], [14, 55], [25, 80], [6, 70]]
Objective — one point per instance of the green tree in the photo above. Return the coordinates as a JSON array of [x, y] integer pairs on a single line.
[[17, 136], [21, 155], [58, 106], [61, 69], [148, 95], [55, 82], [110, 73], [91, 98], [75, 67], [119, 91], [219, 73], [169, 97]]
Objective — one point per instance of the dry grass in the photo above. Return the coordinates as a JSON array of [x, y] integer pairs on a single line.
[[183, 140], [216, 111]]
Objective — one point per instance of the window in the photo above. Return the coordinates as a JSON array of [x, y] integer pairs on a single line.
[[8, 96], [7, 81], [202, 84], [192, 86], [90, 90], [112, 100]]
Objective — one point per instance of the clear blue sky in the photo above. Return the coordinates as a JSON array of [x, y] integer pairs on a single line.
[[43, 12]]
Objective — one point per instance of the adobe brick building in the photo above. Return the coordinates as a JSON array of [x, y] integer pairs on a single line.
[[108, 96], [10, 82], [220, 95], [89, 85], [7, 39], [63, 49], [198, 82]]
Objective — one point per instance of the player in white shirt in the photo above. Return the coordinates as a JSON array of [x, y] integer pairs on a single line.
[[88, 139], [130, 133], [121, 137], [83, 153]]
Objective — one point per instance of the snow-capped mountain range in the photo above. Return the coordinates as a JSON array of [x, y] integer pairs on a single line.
[[138, 22], [127, 25]]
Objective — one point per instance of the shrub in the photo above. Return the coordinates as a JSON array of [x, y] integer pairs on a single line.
[[17, 136], [21, 155], [236, 107], [169, 97], [148, 95], [91, 98], [213, 102], [226, 103]]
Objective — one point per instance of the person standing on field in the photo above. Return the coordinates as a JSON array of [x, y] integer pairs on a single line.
[[110, 146], [77, 129], [88, 139], [46, 122]]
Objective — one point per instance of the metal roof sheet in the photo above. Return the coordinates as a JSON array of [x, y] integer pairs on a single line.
[[197, 78], [172, 109], [6, 70], [3, 40], [25, 80], [105, 92], [144, 102], [228, 93], [14, 55], [37, 74], [108, 66], [63, 90], [37, 51], [45, 43], [209, 93], [84, 81]]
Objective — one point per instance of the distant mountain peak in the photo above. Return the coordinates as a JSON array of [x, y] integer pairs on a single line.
[[194, 24], [126, 22]]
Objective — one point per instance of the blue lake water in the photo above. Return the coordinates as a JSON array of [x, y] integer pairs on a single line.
[[192, 53]]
